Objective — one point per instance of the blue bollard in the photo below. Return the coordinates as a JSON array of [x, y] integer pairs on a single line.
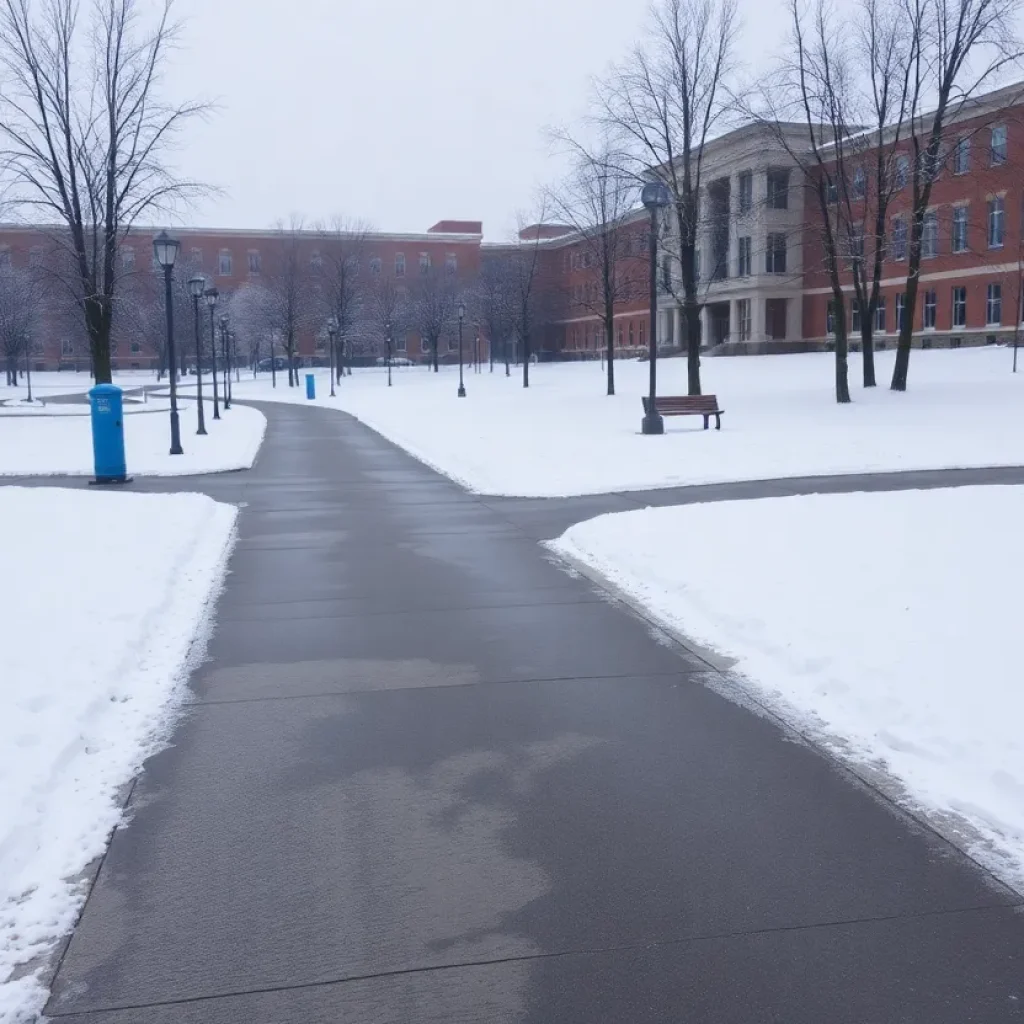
[[310, 386], [108, 435]]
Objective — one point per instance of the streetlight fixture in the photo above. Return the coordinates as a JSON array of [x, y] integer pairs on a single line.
[[226, 352], [462, 316], [211, 294], [655, 197], [165, 249], [332, 331], [196, 287]]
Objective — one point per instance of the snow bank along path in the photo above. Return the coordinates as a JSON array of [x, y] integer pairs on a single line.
[[62, 445], [103, 597], [564, 436], [888, 625]]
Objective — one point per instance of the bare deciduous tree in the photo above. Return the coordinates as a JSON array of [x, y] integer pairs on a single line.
[[496, 302], [288, 287], [21, 309], [664, 103], [341, 280], [432, 308], [85, 133], [594, 200]]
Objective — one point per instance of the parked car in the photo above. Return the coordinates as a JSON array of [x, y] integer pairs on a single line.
[[279, 363], [395, 361]]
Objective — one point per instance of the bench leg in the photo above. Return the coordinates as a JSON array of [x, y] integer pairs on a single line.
[[718, 421], [706, 421]]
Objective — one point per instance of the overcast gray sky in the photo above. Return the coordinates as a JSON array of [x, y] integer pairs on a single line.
[[399, 112]]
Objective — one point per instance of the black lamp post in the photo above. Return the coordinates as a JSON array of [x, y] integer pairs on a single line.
[[196, 287], [476, 349], [387, 341], [165, 249], [462, 315], [226, 353], [332, 331], [655, 197], [211, 294]]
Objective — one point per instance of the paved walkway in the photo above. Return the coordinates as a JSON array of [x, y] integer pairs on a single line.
[[430, 777]]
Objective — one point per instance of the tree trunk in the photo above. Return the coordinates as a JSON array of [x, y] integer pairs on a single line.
[[692, 313], [98, 326], [842, 347], [610, 342], [902, 365], [526, 360], [867, 343]]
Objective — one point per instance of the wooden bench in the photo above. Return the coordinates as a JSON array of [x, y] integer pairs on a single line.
[[687, 405]]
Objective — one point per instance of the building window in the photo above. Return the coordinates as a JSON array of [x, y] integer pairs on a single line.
[[35, 256], [855, 316], [136, 348], [994, 305], [67, 347], [778, 189], [743, 315], [631, 340], [830, 318], [424, 262], [775, 254], [195, 257], [744, 261], [254, 261], [855, 243], [930, 235], [996, 217], [746, 189], [899, 238], [399, 264], [640, 334], [375, 266], [128, 258], [928, 310], [960, 307], [860, 183], [316, 261], [402, 344], [900, 302], [620, 335], [998, 147], [902, 172], [880, 315], [666, 273], [451, 264], [962, 156], [959, 229], [832, 192], [224, 264]]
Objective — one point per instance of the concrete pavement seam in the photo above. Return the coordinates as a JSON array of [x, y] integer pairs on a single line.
[[554, 955]]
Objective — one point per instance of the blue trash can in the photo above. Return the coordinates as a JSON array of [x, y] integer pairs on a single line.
[[108, 434], [310, 386]]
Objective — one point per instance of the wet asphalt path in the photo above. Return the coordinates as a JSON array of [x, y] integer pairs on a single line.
[[428, 776]]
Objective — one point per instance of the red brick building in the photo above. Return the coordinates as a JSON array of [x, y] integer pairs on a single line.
[[970, 283]]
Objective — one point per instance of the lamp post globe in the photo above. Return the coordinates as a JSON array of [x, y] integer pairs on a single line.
[[196, 287], [655, 197], [210, 295], [165, 251], [462, 316]]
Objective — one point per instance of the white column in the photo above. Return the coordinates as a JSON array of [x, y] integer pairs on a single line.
[[757, 312]]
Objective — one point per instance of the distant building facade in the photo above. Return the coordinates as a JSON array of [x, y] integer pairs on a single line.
[[763, 284]]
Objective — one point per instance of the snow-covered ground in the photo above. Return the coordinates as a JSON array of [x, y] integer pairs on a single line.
[[66, 382], [108, 592], [62, 445], [565, 436], [886, 625]]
